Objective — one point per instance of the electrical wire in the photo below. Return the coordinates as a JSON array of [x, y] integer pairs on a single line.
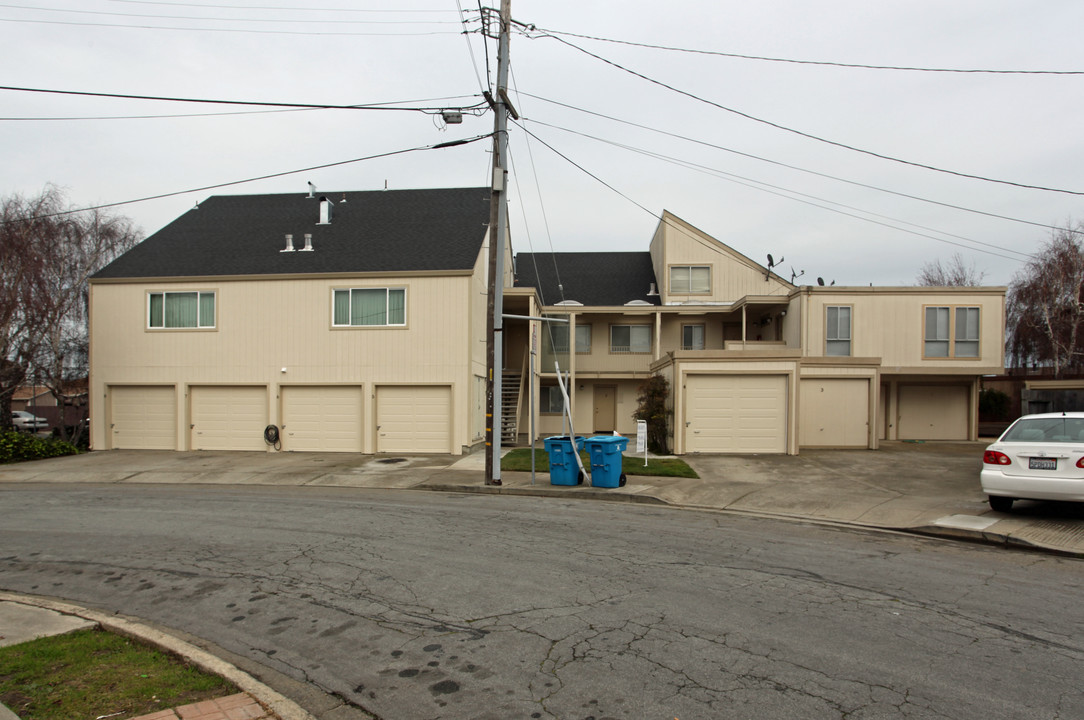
[[224, 19], [470, 48], [860, 66], [810, 136], [253, 103], [274, 7], [211, 114], [269, 176], [653, 214], [795, 167], [229, 30]]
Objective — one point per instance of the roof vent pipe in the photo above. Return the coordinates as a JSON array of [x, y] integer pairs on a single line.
[[308, 243], [325, 211], [652, 291], [289, 244], [312, 190]]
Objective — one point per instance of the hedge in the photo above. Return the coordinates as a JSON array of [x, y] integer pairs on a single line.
[[17, 446]]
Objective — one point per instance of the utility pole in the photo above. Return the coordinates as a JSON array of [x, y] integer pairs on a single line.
[[498, 224]]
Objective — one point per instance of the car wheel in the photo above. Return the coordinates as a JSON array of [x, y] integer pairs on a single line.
[[1000, 504]]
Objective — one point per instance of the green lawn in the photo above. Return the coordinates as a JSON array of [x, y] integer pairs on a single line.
[[91, 673], [519, 460]]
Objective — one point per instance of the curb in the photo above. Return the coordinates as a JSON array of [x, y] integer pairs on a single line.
[[280, 705], [542, 491]]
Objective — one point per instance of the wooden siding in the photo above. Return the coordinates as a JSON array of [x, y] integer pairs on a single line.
[[264, 326]]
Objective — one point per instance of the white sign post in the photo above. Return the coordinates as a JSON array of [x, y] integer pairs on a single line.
[[641, 438]]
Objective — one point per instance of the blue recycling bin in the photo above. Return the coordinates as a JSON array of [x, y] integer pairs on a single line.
[[564, 470], [605, 452]]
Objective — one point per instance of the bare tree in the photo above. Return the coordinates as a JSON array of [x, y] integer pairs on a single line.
[[1046, 305], [48, 252], [953, 273]]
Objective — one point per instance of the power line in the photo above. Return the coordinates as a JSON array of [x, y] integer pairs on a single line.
[[470, 48], [858, 217], [810, 136], [791, 195], [311, 168], [792, 167], [275, 7], [861, 66], [225, 19], [230, 30], [211, 114], [255, 103]]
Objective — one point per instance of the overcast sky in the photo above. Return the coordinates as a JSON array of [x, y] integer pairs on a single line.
[[729, 176]]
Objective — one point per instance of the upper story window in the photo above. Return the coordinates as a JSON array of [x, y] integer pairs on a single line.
[[180, 310], [369, 307], [559, 333], [951, 332], [838, 331], [686, 279], [692, 337], [630, 338]]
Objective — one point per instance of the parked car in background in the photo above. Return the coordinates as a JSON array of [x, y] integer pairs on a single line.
[[1039, 457], [28, 422]]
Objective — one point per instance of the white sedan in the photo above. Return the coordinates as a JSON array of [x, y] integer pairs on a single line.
[[1039, 457], [22, 420]]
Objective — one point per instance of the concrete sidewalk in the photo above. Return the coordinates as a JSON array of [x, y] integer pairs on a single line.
[[929, 488]]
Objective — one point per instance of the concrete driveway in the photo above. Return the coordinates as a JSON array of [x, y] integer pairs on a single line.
[[931, 488]]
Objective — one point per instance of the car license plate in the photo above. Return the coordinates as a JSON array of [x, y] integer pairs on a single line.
[[1042, 464]]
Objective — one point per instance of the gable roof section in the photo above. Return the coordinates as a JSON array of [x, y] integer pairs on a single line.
[[591, 278], [373, 231]]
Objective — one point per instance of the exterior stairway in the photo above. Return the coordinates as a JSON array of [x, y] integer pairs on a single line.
[[510, 394]]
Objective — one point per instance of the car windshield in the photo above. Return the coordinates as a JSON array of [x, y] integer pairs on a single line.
[[1055, 429]]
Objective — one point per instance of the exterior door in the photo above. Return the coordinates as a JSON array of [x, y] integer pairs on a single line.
[[229, 417], [143, 417], [736, 413], [413, 419], [605, 408], [322, 418]]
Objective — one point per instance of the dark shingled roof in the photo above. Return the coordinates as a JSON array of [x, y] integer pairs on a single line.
[[373, 231], [592, 278]]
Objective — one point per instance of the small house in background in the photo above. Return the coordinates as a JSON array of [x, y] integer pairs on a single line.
[[41, 401]]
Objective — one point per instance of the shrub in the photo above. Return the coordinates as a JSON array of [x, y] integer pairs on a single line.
[[17, 446], [994, 405], [652, 408]]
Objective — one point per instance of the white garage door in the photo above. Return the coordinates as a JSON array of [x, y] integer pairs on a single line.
[[321, 419], [229, 417], [933, 412], [736, 413], [833, 412], [143, 417], [413, 419]]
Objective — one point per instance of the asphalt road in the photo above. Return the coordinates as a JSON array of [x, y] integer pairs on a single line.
[[428, 605]]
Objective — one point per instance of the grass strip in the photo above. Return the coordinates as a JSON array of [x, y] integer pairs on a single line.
[[519, 460], [91, 674]]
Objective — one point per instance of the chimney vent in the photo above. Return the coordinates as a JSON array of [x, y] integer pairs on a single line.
[[326, 207], [289, 244], [308, 243]]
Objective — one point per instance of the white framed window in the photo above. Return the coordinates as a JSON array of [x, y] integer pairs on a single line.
[[951, 332], [172, 310], [560, 338], [550, 401], [967, 332], [688, 279], [692, 337], [369, 307], [838, 330], [630, 338]]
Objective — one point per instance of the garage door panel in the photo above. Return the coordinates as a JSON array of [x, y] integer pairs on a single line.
[[934, 412], [413, 419], [834, 412], [736, 413], [144, 417], [228, 417], [322, 418]]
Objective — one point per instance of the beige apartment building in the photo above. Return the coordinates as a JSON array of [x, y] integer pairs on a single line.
[[355, 322]]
